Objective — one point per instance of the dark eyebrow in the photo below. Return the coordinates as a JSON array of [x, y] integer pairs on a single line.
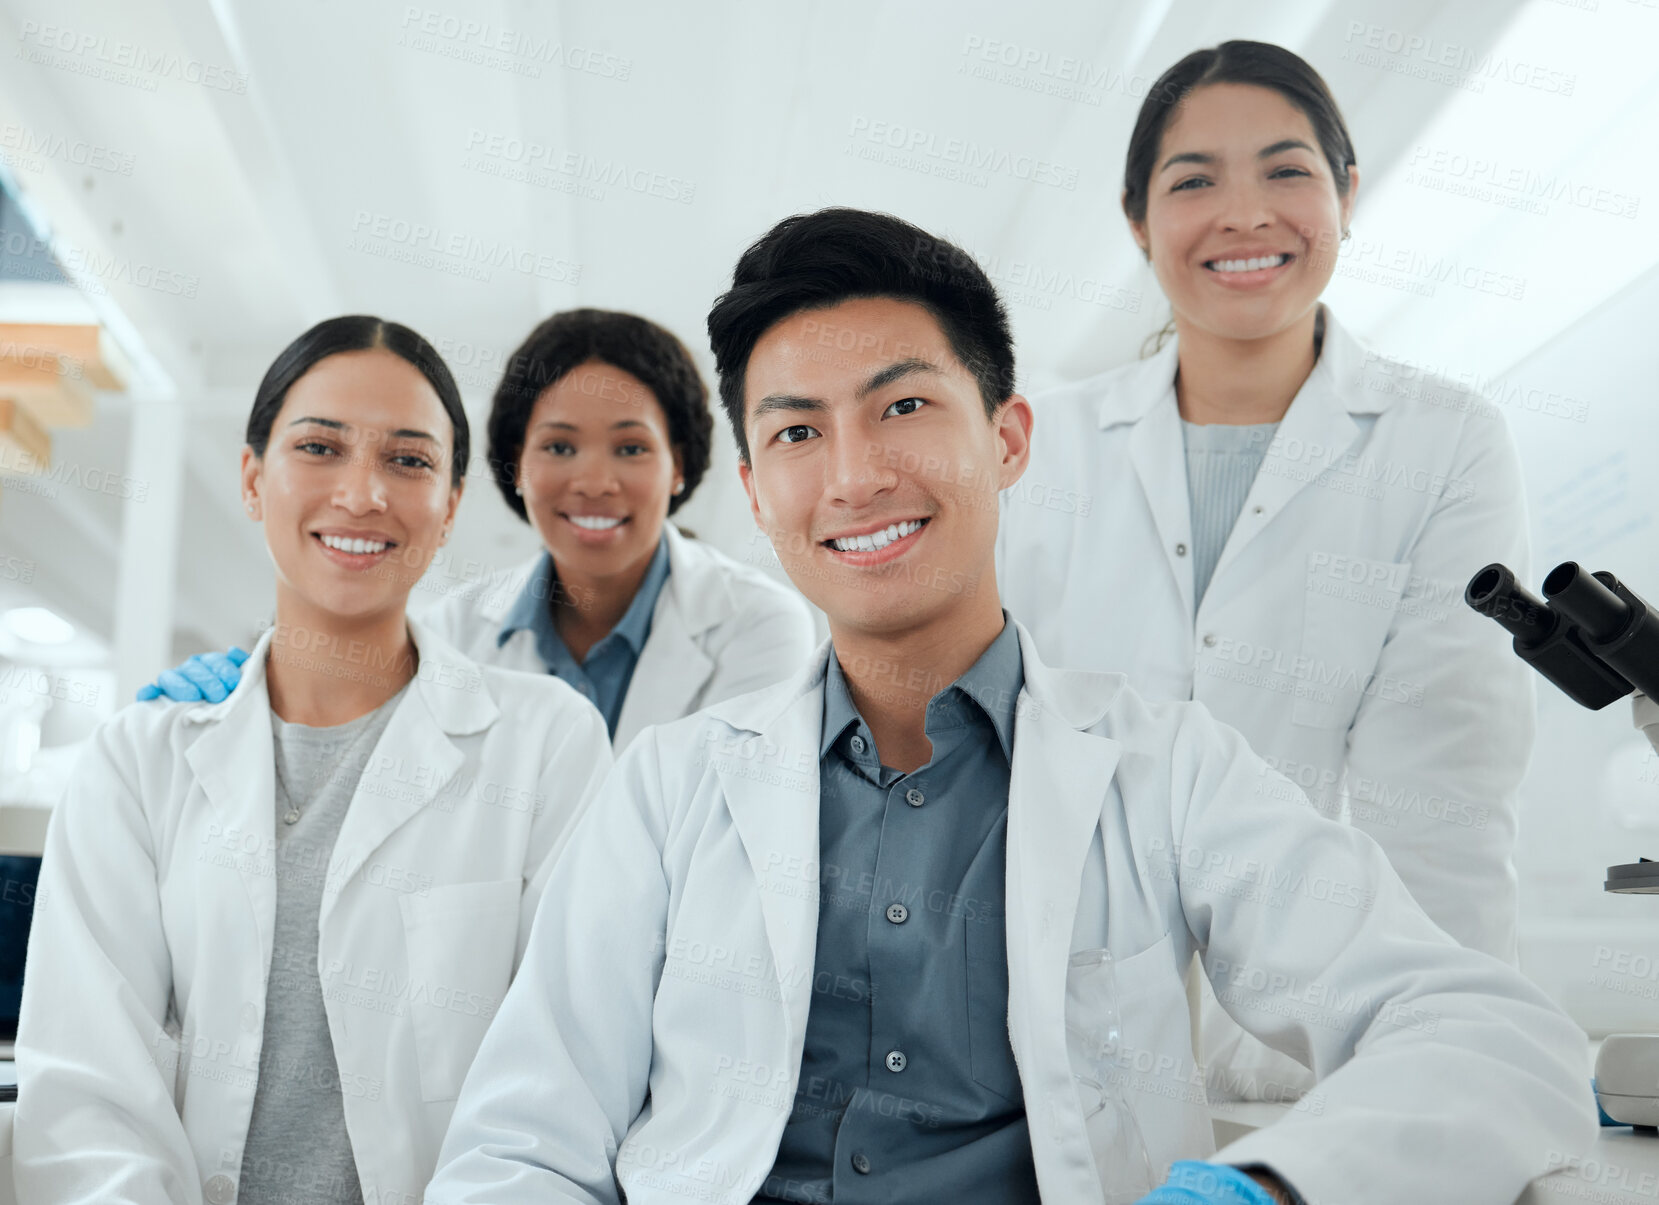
[[563, 426], [1186, 157], [895, 372], [1284, 144], [335, 424], [787, 401]]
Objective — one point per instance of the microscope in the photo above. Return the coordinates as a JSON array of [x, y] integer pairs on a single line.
[[1595, 639]]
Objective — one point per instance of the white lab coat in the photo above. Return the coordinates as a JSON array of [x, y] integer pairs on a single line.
[[720, 628], [143, 1014], [1333, 634], [652, 1042]]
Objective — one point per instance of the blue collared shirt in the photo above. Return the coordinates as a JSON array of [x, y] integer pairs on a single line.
[[908, 1090], [604, 674]]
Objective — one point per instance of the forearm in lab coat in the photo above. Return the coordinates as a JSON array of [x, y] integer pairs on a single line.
[[563, 1071], [1436, 779], [96, 1119], [1444, 1074]]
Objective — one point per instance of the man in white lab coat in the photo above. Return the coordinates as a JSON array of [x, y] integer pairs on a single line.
[[911, 926]]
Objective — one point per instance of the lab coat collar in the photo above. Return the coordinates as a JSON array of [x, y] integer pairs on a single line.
[[412, 762], [1340, 379], [699, 591]]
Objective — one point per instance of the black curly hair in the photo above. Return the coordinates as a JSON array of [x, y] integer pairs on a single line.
[[637, 346]]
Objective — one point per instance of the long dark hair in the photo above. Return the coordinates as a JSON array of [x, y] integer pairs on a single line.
[[357, 332], [1261, 64]]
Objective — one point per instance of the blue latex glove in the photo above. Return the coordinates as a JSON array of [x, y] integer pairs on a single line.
[[206, 676], [1194, 1183]]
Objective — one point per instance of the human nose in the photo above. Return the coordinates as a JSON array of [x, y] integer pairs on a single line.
[[856, 471], [593, 476], [1245, 207], [361, 488]]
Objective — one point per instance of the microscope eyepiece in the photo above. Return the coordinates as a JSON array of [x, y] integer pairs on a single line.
[[1601, 614]]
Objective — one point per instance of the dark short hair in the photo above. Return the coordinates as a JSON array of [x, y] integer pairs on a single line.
[[1261, 64], [638, 347], [817, 260], [358, 332]]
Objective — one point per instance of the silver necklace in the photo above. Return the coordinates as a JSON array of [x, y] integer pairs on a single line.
[[292, 815]]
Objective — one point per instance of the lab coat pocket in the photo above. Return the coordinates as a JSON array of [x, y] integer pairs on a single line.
[[461, 939], [990, 1055], [1348, 606], [1126, 1024]]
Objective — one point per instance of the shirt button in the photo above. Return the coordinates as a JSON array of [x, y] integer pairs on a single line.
[[898, 913], [896, 1061], [914, 797], [1180, 550], [220, 1190], [861, 1165], [250, 1018], [1209, 640], [859, 744]]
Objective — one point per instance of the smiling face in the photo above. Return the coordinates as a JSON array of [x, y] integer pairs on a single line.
[[875, 471], [598, 470], [354, 486], [1243, 219]]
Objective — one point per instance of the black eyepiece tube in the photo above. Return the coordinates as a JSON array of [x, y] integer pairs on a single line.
[[1546, 639], [1600, 614], [1495, 593]]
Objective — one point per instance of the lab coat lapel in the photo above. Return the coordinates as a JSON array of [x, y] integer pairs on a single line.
[[770, 783], [415, 758], [1059, 781], [670, 673], [1159, 460], [673, 668], [1316, 433], [234, 765]]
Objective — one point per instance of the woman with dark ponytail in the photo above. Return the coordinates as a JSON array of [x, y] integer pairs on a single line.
[[1280, 522]]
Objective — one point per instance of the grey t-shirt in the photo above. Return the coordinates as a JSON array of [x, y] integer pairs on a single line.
[[1222, 462], [298, 1151]]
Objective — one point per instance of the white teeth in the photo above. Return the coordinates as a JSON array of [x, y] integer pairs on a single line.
[[1254, 264], [595, 522], [340, 544], [876, 540]]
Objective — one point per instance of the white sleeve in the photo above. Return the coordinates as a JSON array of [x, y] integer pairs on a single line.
[[96, 1118], [1444, 1074], [577, 765], [563, 1071], [1435, 762]]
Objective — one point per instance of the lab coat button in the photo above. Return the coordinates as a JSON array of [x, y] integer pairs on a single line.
[[1209, 640], [1180, 550], [898, 913], [861, 1165], [914, 798], [859, 744], [250, 1018], [896, 1061], [220, 1190]]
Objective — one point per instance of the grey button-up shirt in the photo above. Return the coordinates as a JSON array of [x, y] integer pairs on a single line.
[[908, 1089], [603, 677]]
